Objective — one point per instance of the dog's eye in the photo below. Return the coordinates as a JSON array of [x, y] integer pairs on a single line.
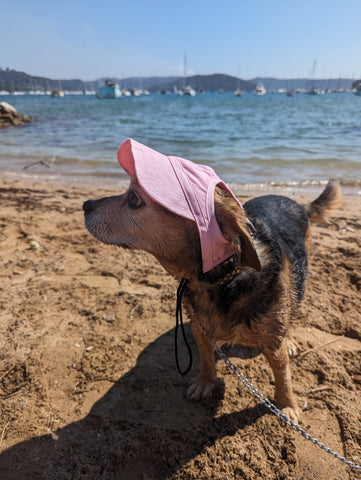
[[134, 200]]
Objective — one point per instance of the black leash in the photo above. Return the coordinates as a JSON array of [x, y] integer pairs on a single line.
[[179, 320]]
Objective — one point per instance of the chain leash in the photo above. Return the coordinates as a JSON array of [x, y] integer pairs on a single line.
[[262, 398]]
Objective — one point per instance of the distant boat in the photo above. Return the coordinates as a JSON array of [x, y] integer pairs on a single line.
[[315, 91], [109, 90], [260, 90], [357, 87], [238, 92], [188, 90], [57, 93], [135, 92], [290, 93]]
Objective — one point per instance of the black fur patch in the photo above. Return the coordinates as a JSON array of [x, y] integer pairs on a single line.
[[281, 225], [288, 223]]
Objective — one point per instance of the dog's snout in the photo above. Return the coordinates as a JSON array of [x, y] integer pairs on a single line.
[[89, 206]]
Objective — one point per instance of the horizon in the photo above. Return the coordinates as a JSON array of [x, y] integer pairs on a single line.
[[88, 41], [102, 77]]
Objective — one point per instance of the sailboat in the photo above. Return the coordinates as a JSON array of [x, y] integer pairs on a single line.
[[187, 89], [313, 90], [260, 90], [58, 92], [238, 92]]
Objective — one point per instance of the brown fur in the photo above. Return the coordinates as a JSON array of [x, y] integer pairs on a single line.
[[260, 316]]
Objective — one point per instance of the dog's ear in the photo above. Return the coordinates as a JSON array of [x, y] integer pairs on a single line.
[[249, 257], [232, 221]]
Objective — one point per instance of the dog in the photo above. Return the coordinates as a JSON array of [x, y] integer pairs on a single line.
[[251, 297]]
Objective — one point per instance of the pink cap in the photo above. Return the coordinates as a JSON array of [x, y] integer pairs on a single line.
[[183, 187]]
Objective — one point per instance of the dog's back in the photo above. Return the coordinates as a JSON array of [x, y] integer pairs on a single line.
[[283, 225]]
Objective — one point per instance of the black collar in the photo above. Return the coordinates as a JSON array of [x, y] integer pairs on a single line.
[[222, 273], [226, 271]]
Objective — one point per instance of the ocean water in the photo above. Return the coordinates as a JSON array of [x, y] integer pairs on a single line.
[[248, 140]]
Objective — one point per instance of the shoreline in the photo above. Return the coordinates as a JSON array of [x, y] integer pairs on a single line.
[[121, 181]]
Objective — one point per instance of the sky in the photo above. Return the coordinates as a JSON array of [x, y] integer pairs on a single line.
[[92, 39]]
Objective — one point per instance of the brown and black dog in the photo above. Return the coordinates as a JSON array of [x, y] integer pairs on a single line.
[[249, 299]]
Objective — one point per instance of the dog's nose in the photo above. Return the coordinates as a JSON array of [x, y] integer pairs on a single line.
[[88, 206]]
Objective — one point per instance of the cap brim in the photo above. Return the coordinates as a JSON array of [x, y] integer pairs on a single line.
[[155, 173]]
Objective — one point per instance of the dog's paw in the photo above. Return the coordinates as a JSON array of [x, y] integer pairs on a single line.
[[200, 388], [293, 413], [292, 347]]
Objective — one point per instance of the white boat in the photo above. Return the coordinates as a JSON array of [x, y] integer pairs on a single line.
[[315, 91], [188, 90], [57, 93], [260, 90], [238, 91], [135, 92]]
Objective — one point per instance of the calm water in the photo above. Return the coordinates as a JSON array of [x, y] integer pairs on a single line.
[[247, 140]]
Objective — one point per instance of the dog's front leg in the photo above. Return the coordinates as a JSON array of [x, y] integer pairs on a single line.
[[279, 361], [203, 384]]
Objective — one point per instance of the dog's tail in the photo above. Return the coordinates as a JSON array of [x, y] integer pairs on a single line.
[[329, 199]]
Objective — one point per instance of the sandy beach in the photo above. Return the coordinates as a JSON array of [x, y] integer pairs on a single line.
[[88, 383]]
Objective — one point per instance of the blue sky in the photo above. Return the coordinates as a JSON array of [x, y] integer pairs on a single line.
[[90, 39]]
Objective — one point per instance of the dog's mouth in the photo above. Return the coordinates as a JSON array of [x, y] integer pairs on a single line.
[[126, 246], [96, 234], [99, 229]]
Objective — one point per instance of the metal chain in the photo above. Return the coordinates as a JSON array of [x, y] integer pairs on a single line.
[[262, 398]]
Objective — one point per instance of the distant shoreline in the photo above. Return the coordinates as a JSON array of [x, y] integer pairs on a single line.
[[13, 80]]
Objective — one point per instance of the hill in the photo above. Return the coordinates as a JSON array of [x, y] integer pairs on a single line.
[[12, 80], [211, 83]]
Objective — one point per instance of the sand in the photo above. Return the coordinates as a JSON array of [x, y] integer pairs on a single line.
[[88, 383]]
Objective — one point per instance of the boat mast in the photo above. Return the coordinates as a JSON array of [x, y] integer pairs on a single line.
[[185, 69]]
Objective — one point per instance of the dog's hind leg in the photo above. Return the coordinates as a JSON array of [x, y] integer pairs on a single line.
[[280, 363]]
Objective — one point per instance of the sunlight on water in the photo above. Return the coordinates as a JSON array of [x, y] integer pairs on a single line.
[[246, 140]]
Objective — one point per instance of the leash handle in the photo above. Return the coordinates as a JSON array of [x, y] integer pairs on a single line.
[[179, 321]]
